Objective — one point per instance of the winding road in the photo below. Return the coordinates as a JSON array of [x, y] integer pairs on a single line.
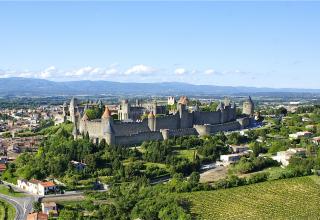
[[22, 205]]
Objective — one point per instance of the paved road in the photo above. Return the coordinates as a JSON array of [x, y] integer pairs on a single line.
[[16, 205], [22, 205]]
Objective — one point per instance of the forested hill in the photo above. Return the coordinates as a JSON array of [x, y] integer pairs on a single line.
[[41, 87]]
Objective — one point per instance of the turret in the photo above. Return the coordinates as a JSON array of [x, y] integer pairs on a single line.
[[107, 123], [107, 114], [248, 107], [108, 133], [154, 107], [124, 110], [151, 121], [83, 123], [72, 109], [75, 131], [226, 101]]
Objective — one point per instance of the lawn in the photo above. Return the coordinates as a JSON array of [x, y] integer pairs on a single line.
[[296, 198], [6, 211], [188, 154], [5, 190]]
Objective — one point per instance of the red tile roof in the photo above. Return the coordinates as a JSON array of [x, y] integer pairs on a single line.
[[2, 167], [47, 184], [37, 216]]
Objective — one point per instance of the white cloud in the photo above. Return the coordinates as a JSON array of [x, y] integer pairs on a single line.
[[45, 74], [83, 71], [140, 69], [209, 71], [180, 71], [111, 71]]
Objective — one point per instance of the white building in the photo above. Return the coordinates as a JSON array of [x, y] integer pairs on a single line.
[[230, 158], [300, 134], [49, 208], [316, 140], [283, 157], [37, 187], [239, 148]]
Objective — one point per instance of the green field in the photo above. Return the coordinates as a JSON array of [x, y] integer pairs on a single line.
[[7, 211], [297, 198], [5, 190]]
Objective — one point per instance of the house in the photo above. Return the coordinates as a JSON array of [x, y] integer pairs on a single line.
[[37, 187], [230, 158], [37, 216], [304, 119], [239, 148], [78, 165], [283, 157], [49, 208], [300, 134], [3, 167], [316, 140]]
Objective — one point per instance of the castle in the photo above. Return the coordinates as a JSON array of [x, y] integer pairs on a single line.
[[153, 127]]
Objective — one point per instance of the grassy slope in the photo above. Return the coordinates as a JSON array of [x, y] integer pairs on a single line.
[[5, 190], [6, 210], [297, 198]]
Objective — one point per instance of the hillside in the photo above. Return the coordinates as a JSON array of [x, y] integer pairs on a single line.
[[40, 87], [296, 198]]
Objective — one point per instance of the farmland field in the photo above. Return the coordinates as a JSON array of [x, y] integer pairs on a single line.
[[6, 210], [297, 198]]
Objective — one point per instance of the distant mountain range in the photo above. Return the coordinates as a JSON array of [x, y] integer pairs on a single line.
[[16, 86]]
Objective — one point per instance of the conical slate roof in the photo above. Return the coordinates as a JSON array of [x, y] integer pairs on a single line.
[[106, 114], [85, 117]]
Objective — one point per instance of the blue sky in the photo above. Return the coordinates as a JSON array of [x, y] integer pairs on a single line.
[[263, 44]]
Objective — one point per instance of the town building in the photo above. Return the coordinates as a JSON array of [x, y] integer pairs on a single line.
[[300, 134], [316, 140], [227, 159], [49, 208], [37, 216], [37, 187], [239, 148], [284, 157]]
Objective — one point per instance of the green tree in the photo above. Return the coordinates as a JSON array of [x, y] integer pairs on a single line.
[[36, 206]]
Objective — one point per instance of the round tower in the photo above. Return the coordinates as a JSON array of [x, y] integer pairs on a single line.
[[151, 121], [72, 109], [248, 107], [124, 112], [107, 129]]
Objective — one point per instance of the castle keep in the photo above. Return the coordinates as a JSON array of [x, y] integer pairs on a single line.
[[154, 127]]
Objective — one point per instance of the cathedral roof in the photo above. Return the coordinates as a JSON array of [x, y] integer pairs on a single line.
[[106, 114]]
